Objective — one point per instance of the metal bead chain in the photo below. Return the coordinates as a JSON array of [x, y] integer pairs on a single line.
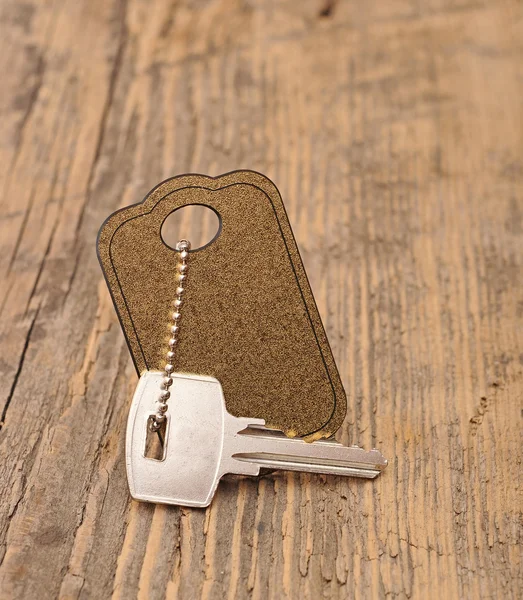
[[183, 247]]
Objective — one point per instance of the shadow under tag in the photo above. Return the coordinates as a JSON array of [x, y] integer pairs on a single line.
[[249, 318]]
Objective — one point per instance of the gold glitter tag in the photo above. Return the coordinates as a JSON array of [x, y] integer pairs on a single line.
[[249, 316]]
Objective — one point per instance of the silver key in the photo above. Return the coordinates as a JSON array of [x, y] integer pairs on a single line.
[[203, 442]]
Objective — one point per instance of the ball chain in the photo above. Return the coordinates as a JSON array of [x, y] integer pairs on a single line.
[[183, 247]]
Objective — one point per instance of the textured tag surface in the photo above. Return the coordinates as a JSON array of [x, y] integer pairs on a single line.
[[249, 316]]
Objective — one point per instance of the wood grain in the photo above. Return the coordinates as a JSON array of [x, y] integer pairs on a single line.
[[394, 131]]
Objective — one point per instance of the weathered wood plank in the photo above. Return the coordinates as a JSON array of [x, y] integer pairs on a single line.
[[394, 132]]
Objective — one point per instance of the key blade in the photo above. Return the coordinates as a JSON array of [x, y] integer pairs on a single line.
[[275, 451], [267, 461]]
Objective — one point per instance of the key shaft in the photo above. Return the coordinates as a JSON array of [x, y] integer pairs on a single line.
[[272, 450]]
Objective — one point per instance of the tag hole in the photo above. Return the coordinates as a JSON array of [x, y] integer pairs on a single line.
[[197, 223], [155, 441]]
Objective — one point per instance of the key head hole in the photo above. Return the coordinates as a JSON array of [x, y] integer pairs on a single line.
[[155, 441], [198, 223]]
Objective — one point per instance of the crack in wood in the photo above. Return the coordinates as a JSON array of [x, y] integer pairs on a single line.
[[327, 10], [18, 371]]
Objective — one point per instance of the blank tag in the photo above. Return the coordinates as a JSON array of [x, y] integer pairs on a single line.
[[249, 317]]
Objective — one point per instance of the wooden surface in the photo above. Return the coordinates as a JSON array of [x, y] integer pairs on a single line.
[[394, 131]]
